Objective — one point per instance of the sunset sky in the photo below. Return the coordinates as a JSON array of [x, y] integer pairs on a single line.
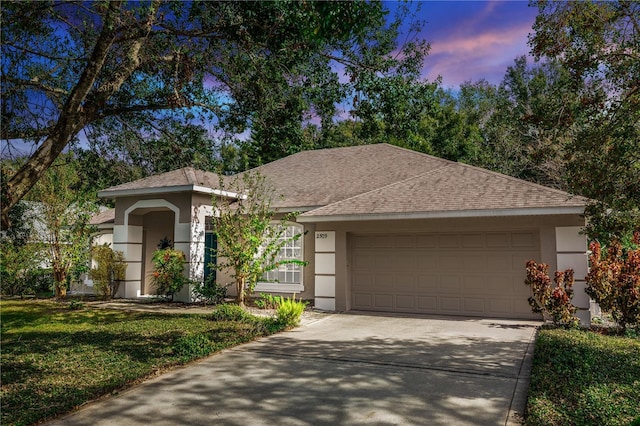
[[471, 40]]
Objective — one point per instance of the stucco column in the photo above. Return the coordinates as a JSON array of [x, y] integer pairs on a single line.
[[571, 252], [325, 269]]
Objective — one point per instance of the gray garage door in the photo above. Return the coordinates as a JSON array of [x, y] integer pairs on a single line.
[[475, 274]]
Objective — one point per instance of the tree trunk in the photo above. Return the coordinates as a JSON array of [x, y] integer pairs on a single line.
[[240, 292], [60, 290], [60, 283]]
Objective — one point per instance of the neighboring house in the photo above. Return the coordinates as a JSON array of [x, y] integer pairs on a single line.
[[387, 229], [103, 223]]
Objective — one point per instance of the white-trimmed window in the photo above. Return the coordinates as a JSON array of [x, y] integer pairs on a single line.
[[287, 277]]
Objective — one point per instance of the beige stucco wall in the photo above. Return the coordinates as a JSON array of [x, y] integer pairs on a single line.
[[543, 225], [156, 226], [182, 200]]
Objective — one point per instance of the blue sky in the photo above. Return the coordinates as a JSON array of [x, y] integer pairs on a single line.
[[471, 40]]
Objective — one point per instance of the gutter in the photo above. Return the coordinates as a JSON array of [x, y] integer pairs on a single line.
[[541, 211]]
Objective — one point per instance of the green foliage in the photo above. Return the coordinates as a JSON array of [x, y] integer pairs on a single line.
[[267, 301], [289, 311], [125, 67], [110, 270], [192, 346], [614, 281], [598, 44], [55, 359], [248, 242], [74, 305], [583, 378], [230, 312], [552, 302], [168, 271], [64, 213], [19, 273], [209, 292]]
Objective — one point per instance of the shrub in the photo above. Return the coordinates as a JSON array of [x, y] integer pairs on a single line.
[[192, 346], [614, 281], [110, 270], [18, 267], [267, 301], [288, 311], [209, 292], [75, 305], [552, 302], [168, 274], [230, 312]]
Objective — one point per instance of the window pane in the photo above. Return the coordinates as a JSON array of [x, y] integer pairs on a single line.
[[291, 250]]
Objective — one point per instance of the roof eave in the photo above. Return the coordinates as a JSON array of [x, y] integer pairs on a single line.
[[538, 211], [167, 189]]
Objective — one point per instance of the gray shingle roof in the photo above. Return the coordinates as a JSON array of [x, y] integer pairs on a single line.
[[455, 187], [375, 179], [321, 177], [187, 176], [105, 216]]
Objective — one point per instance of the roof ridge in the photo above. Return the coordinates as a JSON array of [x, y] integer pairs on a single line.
[[190, 174], [391, 184], [433, 157], [519, 180]]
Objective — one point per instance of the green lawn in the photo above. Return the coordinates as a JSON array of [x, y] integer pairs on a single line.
[[584, 378], [54, 358]]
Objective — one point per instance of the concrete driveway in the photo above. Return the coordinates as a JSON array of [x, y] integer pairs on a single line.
[[343, 369]]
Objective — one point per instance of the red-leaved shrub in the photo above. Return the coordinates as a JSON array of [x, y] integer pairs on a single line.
[[554, 302], [614, 281]]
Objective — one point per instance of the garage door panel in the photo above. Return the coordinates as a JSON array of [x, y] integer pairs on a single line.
[[473, 262], [362, 261], [500, 307], [519, 261], [449, 240], [498, 262], [449, 284], [362, 300], [427, 304], [473, 284], [427, 284], [383, 241], [474, 305], [406, 283], [405, 241], [522, 239], [475, 273], [449, 262], [498, 240], [360, 241], [473, 241], [404, 260], [405, 302], [426, 241], [450, 304], [383, 282], [362, 281], [383, 301], [427, 261]]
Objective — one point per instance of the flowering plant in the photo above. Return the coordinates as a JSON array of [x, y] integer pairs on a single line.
[[168, 274]]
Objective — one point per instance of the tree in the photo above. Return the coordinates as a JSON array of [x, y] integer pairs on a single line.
[[109, 271], [70, 66], [614, 280], [64, 214], [248, 241], [599, 45], [534, 116]]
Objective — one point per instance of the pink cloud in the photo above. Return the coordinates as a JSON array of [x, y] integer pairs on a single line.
[[472, 56]]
